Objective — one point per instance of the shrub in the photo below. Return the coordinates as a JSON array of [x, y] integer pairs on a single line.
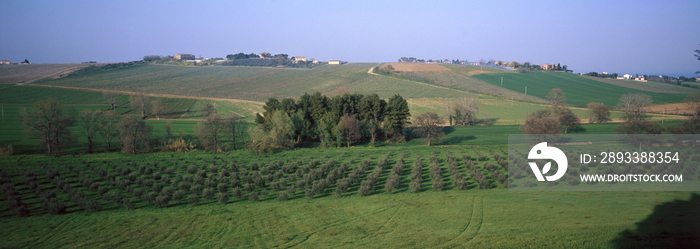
[[162, 201], [177, 195], [165, 179], [249, 187], [264, 193], [197, 189], [391, 183], [184, 186], [291, 190], [208, 193], [149, 197], [222, 187], [237, 193], [438, 184], [192, 169], [138, 192], [365, 188], [56, 206], [156, 176], [157, 187], [414, 186], [309, 193], [102, 190], [193, 199], [167, 191], [148, 183], [223, 198], [90, 205], [198, 179], [94, 186], [282, 196], [127, 204], [252, 196]]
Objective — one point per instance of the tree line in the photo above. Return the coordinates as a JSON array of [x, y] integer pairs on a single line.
[[560, 119]]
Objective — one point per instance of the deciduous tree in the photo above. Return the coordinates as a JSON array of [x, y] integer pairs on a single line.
[[597, 112], [108, 126], [134, 135], [90, 121], [111, 97], [139, 102], [568, 119], [210, 132], [49, 122], [157, 108], [429, 126], [541, 123], [557, 98], [349, 129]]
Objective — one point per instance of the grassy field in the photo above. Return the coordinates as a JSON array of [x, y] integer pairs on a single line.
[[250, 83], [492, 218], [31, 72], [579, 90], [15, 98], [649, 86], [112, 200]]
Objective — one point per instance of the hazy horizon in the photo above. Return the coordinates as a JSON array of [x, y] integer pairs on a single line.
[[634, 37]]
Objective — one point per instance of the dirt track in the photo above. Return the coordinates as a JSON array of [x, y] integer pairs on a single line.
[[415, 67]]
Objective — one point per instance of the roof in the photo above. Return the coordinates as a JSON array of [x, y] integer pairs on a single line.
[[185, 54]]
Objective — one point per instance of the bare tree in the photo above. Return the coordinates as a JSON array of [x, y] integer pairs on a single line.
[[463, 111], [157, 108], [209, 109], [134, 135], [111, 97], [139, 102], [429, 126], [597, 112], [693, 103], [557, 98], [349, 128], [232, 124], [108, 127], [49, 122], [90, 121], [210, 132], [625, 103], [637, 105]]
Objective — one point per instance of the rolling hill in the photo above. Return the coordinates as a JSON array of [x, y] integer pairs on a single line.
[[579, 90]]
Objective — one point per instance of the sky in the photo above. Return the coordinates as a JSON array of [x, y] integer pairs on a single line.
[[635, 37]]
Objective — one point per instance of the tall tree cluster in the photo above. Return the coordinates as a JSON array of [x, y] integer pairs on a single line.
[[318, 118]]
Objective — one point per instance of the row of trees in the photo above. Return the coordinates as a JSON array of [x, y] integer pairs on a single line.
[[560, 119]]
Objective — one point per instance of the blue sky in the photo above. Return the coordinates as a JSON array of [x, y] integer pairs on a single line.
[[636, 37]]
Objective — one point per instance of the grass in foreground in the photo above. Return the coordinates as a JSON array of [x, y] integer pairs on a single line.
[[494, 218]]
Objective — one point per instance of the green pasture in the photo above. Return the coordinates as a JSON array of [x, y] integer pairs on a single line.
[[250, 83], [579, 90], [491, 218]]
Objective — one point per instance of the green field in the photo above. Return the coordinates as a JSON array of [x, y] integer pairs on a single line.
[[15, 98], [482, 213], [494, 218], [579, 90]]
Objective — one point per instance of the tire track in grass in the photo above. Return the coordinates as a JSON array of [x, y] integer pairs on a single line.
[[473, 225], [304, 236], [60, 226]]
